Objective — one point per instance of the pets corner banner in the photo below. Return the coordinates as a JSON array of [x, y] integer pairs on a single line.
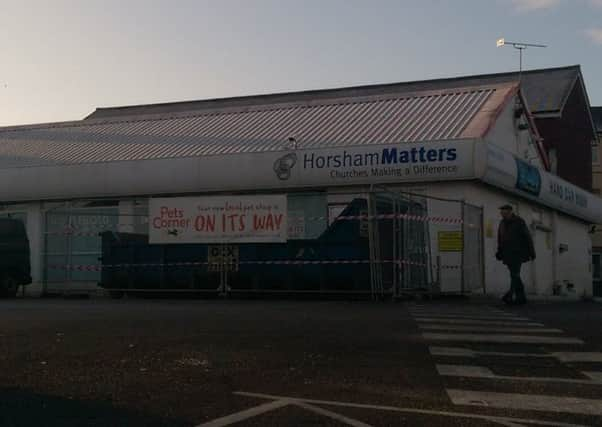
[[223, 219]]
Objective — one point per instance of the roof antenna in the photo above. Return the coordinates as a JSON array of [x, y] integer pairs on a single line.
[[520, 46]]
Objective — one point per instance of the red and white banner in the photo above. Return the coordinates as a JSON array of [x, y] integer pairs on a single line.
[[220, 219]]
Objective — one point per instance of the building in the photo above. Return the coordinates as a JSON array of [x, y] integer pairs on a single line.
[[561, 108], [596, 188], [419, 170], [556, 98]]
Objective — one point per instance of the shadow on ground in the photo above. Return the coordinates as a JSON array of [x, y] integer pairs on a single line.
[[20, 408]]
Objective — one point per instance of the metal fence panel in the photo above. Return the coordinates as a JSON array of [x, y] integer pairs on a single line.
[[377, 243], [472, 260]]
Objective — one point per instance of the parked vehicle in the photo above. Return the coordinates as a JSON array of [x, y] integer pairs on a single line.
[[15, 269]]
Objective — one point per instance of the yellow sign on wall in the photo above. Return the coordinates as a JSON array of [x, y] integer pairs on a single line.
[[489, 232], [450, 241]]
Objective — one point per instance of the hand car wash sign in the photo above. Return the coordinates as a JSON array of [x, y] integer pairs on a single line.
[[236, 219]]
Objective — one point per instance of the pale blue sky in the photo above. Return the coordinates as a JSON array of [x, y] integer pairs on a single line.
[[61, 59]]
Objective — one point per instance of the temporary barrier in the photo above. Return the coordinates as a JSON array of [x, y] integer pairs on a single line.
[[457, 247], [473, 274], [378, 243]]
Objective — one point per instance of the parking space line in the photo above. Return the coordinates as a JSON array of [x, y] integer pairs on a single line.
[[491, 418], [509, 424], [527, 402], [247, 413], [501, 339], [330, 414]]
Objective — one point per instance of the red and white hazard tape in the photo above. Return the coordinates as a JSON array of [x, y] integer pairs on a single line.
[[94, 230], [75, 233], [307, 262], [100, 226], [450, 267], [75, 267], [419, 218], [412, 263]]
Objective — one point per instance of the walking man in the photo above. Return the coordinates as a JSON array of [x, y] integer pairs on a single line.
[[515, 247]]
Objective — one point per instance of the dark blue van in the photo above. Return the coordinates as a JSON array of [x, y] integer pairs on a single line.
[[15, 269]]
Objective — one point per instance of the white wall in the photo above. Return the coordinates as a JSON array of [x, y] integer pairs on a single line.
[[573, 266], [450, 273], [35, 233], [505, 134], [550, 230]]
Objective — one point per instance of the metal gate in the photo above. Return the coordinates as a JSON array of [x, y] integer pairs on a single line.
[[72, 246], [399, 244], [473, 274]]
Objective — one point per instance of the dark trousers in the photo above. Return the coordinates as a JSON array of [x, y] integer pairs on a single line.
[[516, 284]]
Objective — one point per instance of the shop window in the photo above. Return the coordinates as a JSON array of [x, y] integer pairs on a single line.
[[307, 215], [73, 238]]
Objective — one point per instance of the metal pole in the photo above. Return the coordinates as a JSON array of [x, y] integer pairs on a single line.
[[69, 257], [45, 258], [396, 257], [438, 273], [482, 252], [224, 265], [520, 65], [371, 245], [462, 260]]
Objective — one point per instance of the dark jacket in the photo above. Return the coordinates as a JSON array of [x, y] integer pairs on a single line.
[[515, 244]]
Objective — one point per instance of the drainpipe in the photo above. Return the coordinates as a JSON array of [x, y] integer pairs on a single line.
[[554, 248], [534, 263]]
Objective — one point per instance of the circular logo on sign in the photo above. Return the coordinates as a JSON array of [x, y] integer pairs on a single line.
[[284, 165]]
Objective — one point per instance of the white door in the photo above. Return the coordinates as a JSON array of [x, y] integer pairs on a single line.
[[543, 276]]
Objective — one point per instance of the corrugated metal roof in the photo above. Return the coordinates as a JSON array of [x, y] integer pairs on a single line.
[[545, 90], [428, 116]]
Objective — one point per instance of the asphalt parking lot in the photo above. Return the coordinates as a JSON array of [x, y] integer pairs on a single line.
[[139, 362]]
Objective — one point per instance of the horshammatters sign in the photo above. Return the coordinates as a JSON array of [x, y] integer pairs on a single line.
[[223, 219], [434, 161]]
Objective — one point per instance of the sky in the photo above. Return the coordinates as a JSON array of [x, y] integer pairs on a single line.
[[62, 59]]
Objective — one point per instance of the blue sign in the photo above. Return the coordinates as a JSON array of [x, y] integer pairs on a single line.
[[528, 178]]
